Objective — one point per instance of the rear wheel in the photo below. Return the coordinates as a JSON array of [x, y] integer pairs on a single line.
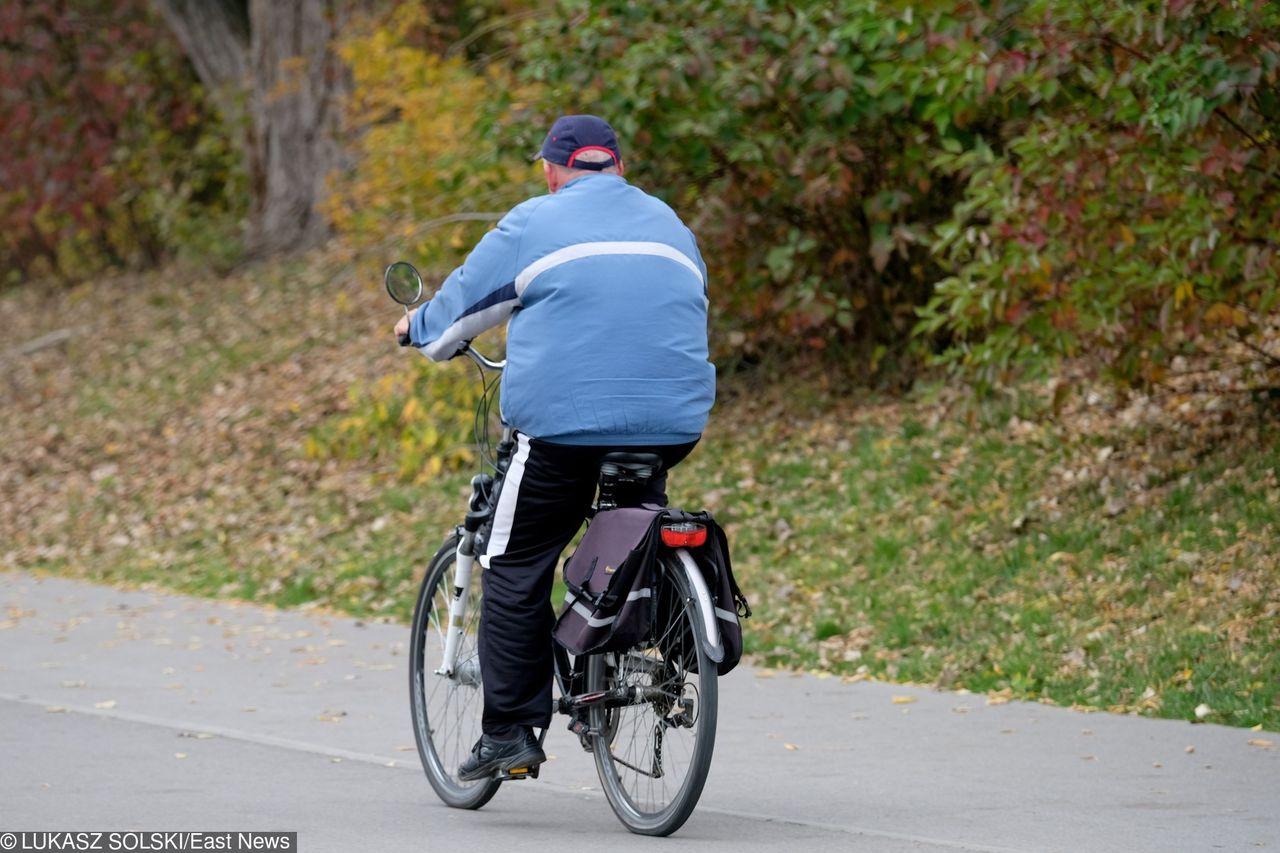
[[654, 753], [447, 708]]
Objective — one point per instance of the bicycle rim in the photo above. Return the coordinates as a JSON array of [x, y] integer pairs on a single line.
[[653, 756], [447, 710]]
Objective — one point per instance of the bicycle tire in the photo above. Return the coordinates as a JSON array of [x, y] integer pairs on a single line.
[[447, 710], [637, 746]]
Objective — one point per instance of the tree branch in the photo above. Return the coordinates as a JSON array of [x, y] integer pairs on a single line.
[[1271, 359]]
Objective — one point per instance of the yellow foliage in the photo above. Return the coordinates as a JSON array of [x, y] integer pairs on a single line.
[[421, 158], [1221, 314], [1184, 292], [420, 419], [417, 156]]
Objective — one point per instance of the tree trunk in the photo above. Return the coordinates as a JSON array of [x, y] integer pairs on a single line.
[[276, 57], [296, 117], [215, 36]]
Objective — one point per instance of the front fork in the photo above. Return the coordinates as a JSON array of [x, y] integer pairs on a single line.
[[475, 526], [458, 604]]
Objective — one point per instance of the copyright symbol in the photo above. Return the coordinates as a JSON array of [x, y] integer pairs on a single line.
[[8, 841]]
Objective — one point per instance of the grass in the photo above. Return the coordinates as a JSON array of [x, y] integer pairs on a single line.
[[967, 556], [1123, 557]]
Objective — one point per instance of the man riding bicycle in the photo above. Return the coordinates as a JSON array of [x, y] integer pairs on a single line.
[[605, 294]]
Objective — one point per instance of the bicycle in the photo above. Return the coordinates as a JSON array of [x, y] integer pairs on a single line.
[[647, 714]]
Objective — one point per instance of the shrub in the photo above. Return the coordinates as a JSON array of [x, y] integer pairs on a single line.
[[1130, 205], [797, 139], [422, 419], [431, 172], [109, 154]]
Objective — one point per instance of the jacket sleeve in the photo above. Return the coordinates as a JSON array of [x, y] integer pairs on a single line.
[[476, 296]]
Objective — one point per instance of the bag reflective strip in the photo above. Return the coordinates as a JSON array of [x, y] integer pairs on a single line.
[[591, 250], [592, 622], [726, 615]]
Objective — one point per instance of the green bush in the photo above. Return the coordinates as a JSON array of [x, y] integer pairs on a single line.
[[798, 140], [1129, 207], [1039, 179]]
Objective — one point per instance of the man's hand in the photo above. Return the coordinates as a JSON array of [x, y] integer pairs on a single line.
[[402, 327]]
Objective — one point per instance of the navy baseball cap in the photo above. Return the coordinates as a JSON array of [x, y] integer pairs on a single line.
[[572, 136]]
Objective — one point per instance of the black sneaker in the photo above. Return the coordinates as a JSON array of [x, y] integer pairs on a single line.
[[491, 756]]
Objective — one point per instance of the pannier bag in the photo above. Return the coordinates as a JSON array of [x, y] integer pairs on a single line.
[[611, 605]]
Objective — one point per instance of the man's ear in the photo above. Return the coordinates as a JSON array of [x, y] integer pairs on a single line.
[[549, 172], [622, 168]]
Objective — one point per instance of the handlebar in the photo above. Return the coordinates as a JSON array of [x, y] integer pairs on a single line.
[[481, 359], [478, 357]]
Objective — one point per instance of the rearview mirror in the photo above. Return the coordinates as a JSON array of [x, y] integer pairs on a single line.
[[404, 285]]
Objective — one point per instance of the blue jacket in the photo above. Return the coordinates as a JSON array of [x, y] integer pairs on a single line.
[[605, 295]]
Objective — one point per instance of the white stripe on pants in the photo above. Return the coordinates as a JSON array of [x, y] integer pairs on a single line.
[[505, 514]]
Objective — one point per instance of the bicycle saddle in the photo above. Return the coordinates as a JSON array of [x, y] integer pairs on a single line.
[[638, 465]]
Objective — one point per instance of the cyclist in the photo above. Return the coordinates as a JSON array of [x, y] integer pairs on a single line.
[[605, 294]]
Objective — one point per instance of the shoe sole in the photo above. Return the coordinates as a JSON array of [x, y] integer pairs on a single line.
[[528, 759]]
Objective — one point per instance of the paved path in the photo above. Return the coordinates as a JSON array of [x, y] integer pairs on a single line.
[[148, 711]]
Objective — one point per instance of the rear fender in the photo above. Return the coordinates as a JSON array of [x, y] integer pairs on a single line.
[[710, 638]]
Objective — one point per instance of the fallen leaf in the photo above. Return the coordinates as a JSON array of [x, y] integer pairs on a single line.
[[1262, 742], [56, 709], [106, 706], [904, 700], [179, 755], [790, 747]]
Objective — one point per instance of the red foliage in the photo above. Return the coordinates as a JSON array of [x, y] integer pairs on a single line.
[[75, 81]]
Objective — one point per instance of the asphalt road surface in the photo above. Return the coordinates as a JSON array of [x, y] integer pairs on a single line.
[[136, 710]]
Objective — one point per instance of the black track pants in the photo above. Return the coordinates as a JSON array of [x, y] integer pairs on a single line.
[[544, 499]]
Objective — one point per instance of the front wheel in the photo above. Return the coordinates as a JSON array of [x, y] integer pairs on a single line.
[[654, 753], [447, 708]]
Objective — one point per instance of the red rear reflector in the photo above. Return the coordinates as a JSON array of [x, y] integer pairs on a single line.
[[684, 535]]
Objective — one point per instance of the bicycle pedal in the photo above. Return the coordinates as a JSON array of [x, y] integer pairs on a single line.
[[584, 732], [516, 773]]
